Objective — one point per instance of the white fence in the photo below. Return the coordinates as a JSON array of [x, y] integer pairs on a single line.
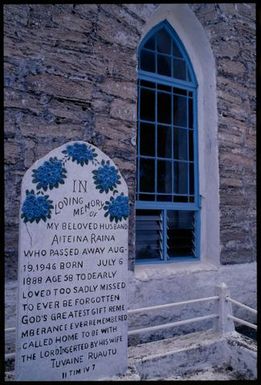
[[223, 317]]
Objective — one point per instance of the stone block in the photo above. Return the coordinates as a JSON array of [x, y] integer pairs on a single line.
[[143, 11], [116, 32], [12, 152], [111, 128], [125, 90], [231, 67], [60, 87], [123, 110], [233, 182], [72, 22], [228, 8]]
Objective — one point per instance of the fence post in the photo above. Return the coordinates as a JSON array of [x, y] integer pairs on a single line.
[[223, 323]]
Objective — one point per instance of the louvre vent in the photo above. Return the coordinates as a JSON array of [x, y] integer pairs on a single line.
[[149, 234]]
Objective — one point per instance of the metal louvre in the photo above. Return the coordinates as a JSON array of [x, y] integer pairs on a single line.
[[149, 234]]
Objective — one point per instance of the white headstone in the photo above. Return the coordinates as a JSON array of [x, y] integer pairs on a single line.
[[73, 258]]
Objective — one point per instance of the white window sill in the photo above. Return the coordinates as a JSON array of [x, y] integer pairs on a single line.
[[148, 271]]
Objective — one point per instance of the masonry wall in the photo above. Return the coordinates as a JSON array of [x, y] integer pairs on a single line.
[[70, 74]]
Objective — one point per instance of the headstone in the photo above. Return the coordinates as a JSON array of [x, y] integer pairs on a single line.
[[73, 251]]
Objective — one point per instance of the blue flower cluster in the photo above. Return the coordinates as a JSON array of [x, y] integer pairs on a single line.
[[80, 153], [50, 174], [36, 207], [117, 208], [106, 177]]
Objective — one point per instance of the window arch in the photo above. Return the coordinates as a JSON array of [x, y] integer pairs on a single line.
[[167, 192]]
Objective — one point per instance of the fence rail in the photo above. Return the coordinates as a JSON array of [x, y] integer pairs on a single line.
[[157, 307], [177, 323], [240, 304], [223, 315]]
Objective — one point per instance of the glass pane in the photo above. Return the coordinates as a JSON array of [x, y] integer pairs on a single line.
[[147, 61], [163, 87], [150, 44], [164, 198], [164, 107], [180, 143], [190, 101], [191, 178], [147, 139], [188, 75], [191, 146], [181, 198], [149, 235], [180, 110], [164, 176], [147, 197], [180, 233], [179, 69], [147, 175], [175, 50], [163, 41], [164, 142], [147, 104], [164, 65], [145, 83], [181, 177], [179, 91]]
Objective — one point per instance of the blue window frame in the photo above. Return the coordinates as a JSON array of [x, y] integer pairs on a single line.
[[167, 192]]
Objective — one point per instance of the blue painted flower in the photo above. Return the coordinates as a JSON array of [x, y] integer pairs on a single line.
[[80, 153], [36, 207], [50, 174], [117, 208], [106, 177]]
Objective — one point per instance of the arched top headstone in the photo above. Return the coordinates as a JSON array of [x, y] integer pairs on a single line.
[[73, 251]]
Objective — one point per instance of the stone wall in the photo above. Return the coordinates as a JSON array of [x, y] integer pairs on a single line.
[[70, 74], [231, 31]]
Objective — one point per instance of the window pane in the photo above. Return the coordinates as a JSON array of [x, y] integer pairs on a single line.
[[164, 107], [179, 69], [147, 175], [190, 113], [164, 176], [149, 234], [164, 65], [180, 233], [147, 104], [150, 44], [181, 198], [175, 50], [180, 143], [180, 110], [145, 83], [164, 141], [181, 177], [164, 198], [188, 74], [191, 145], [147, 61], [147, 197], [163, 41], [163, 87], [179, 91], [147, 139], [191, 178]]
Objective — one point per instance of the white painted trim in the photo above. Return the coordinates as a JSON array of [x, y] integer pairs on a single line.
[[195, 40]]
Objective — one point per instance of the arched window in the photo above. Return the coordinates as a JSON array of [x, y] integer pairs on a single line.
[[167, 193]]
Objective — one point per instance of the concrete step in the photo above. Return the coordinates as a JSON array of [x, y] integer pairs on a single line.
[[196, 355]]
